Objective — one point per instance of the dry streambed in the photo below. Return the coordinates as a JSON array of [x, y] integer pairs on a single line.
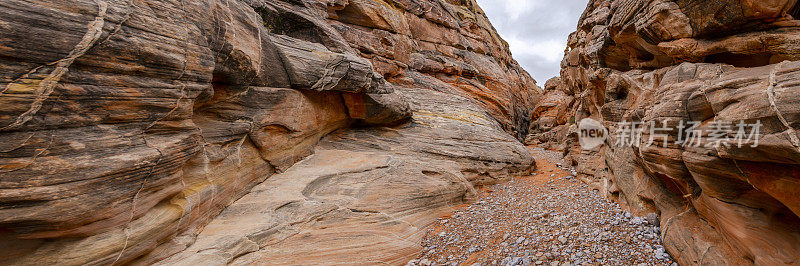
[[548, 218]]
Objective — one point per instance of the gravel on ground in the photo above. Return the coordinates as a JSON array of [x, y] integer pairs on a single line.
[[548, 218]]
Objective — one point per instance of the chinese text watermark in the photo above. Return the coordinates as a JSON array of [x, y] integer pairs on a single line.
[[714, 134], [688, 134]]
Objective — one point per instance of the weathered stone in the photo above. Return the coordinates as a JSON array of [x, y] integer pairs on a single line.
[[553, 108], [361, 199], [377, 109], [126, 127], [312, 66], [667, 61]]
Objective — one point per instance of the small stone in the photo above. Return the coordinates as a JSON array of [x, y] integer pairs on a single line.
[[659, 253], [425, 262], [652, 218], [562, 239]]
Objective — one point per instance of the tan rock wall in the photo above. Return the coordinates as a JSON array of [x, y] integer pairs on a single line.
[[127, 126], [666, 61]]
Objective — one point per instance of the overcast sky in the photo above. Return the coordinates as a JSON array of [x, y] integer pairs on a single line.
[[536, 30]]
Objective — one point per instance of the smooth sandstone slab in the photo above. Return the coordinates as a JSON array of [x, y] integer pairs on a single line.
[[361, 198], [127, 126]]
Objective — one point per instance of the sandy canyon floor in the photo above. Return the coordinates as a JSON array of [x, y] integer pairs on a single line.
[[547, 218]]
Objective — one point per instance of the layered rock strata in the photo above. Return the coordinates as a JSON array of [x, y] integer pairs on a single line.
[[714, 62], [128, 126]]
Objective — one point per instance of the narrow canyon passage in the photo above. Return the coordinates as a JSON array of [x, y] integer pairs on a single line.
[[394, 132], [547, 218]]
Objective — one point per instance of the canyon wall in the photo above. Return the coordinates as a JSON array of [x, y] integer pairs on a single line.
[[329, 130], [715, 62]]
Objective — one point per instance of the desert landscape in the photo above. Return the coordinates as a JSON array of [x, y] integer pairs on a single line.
[[401, 132]]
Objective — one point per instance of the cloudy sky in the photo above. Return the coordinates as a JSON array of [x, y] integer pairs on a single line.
[[536, 30]]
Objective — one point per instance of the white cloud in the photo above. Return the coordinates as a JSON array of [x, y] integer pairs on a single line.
[[536, 30], [551, 50], [515, 8]]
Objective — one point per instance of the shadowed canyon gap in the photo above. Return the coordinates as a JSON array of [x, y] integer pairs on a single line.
[[310, 132]]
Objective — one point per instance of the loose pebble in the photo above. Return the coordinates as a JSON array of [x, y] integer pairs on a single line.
[[541, 220]]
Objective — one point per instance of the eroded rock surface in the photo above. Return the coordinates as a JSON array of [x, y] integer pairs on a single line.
[[127, 126], [361, 198], [712, 62]]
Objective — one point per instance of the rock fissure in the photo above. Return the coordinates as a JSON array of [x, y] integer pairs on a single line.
[[47, 85], [790, 132]]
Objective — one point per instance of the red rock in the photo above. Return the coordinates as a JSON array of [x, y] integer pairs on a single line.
[[126, 127], [665, 61]]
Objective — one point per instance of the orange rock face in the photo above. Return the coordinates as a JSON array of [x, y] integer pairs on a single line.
[[713, 62], [127, 126]]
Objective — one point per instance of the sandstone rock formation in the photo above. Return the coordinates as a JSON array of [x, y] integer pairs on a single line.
[[709, 61], [127, 126]]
